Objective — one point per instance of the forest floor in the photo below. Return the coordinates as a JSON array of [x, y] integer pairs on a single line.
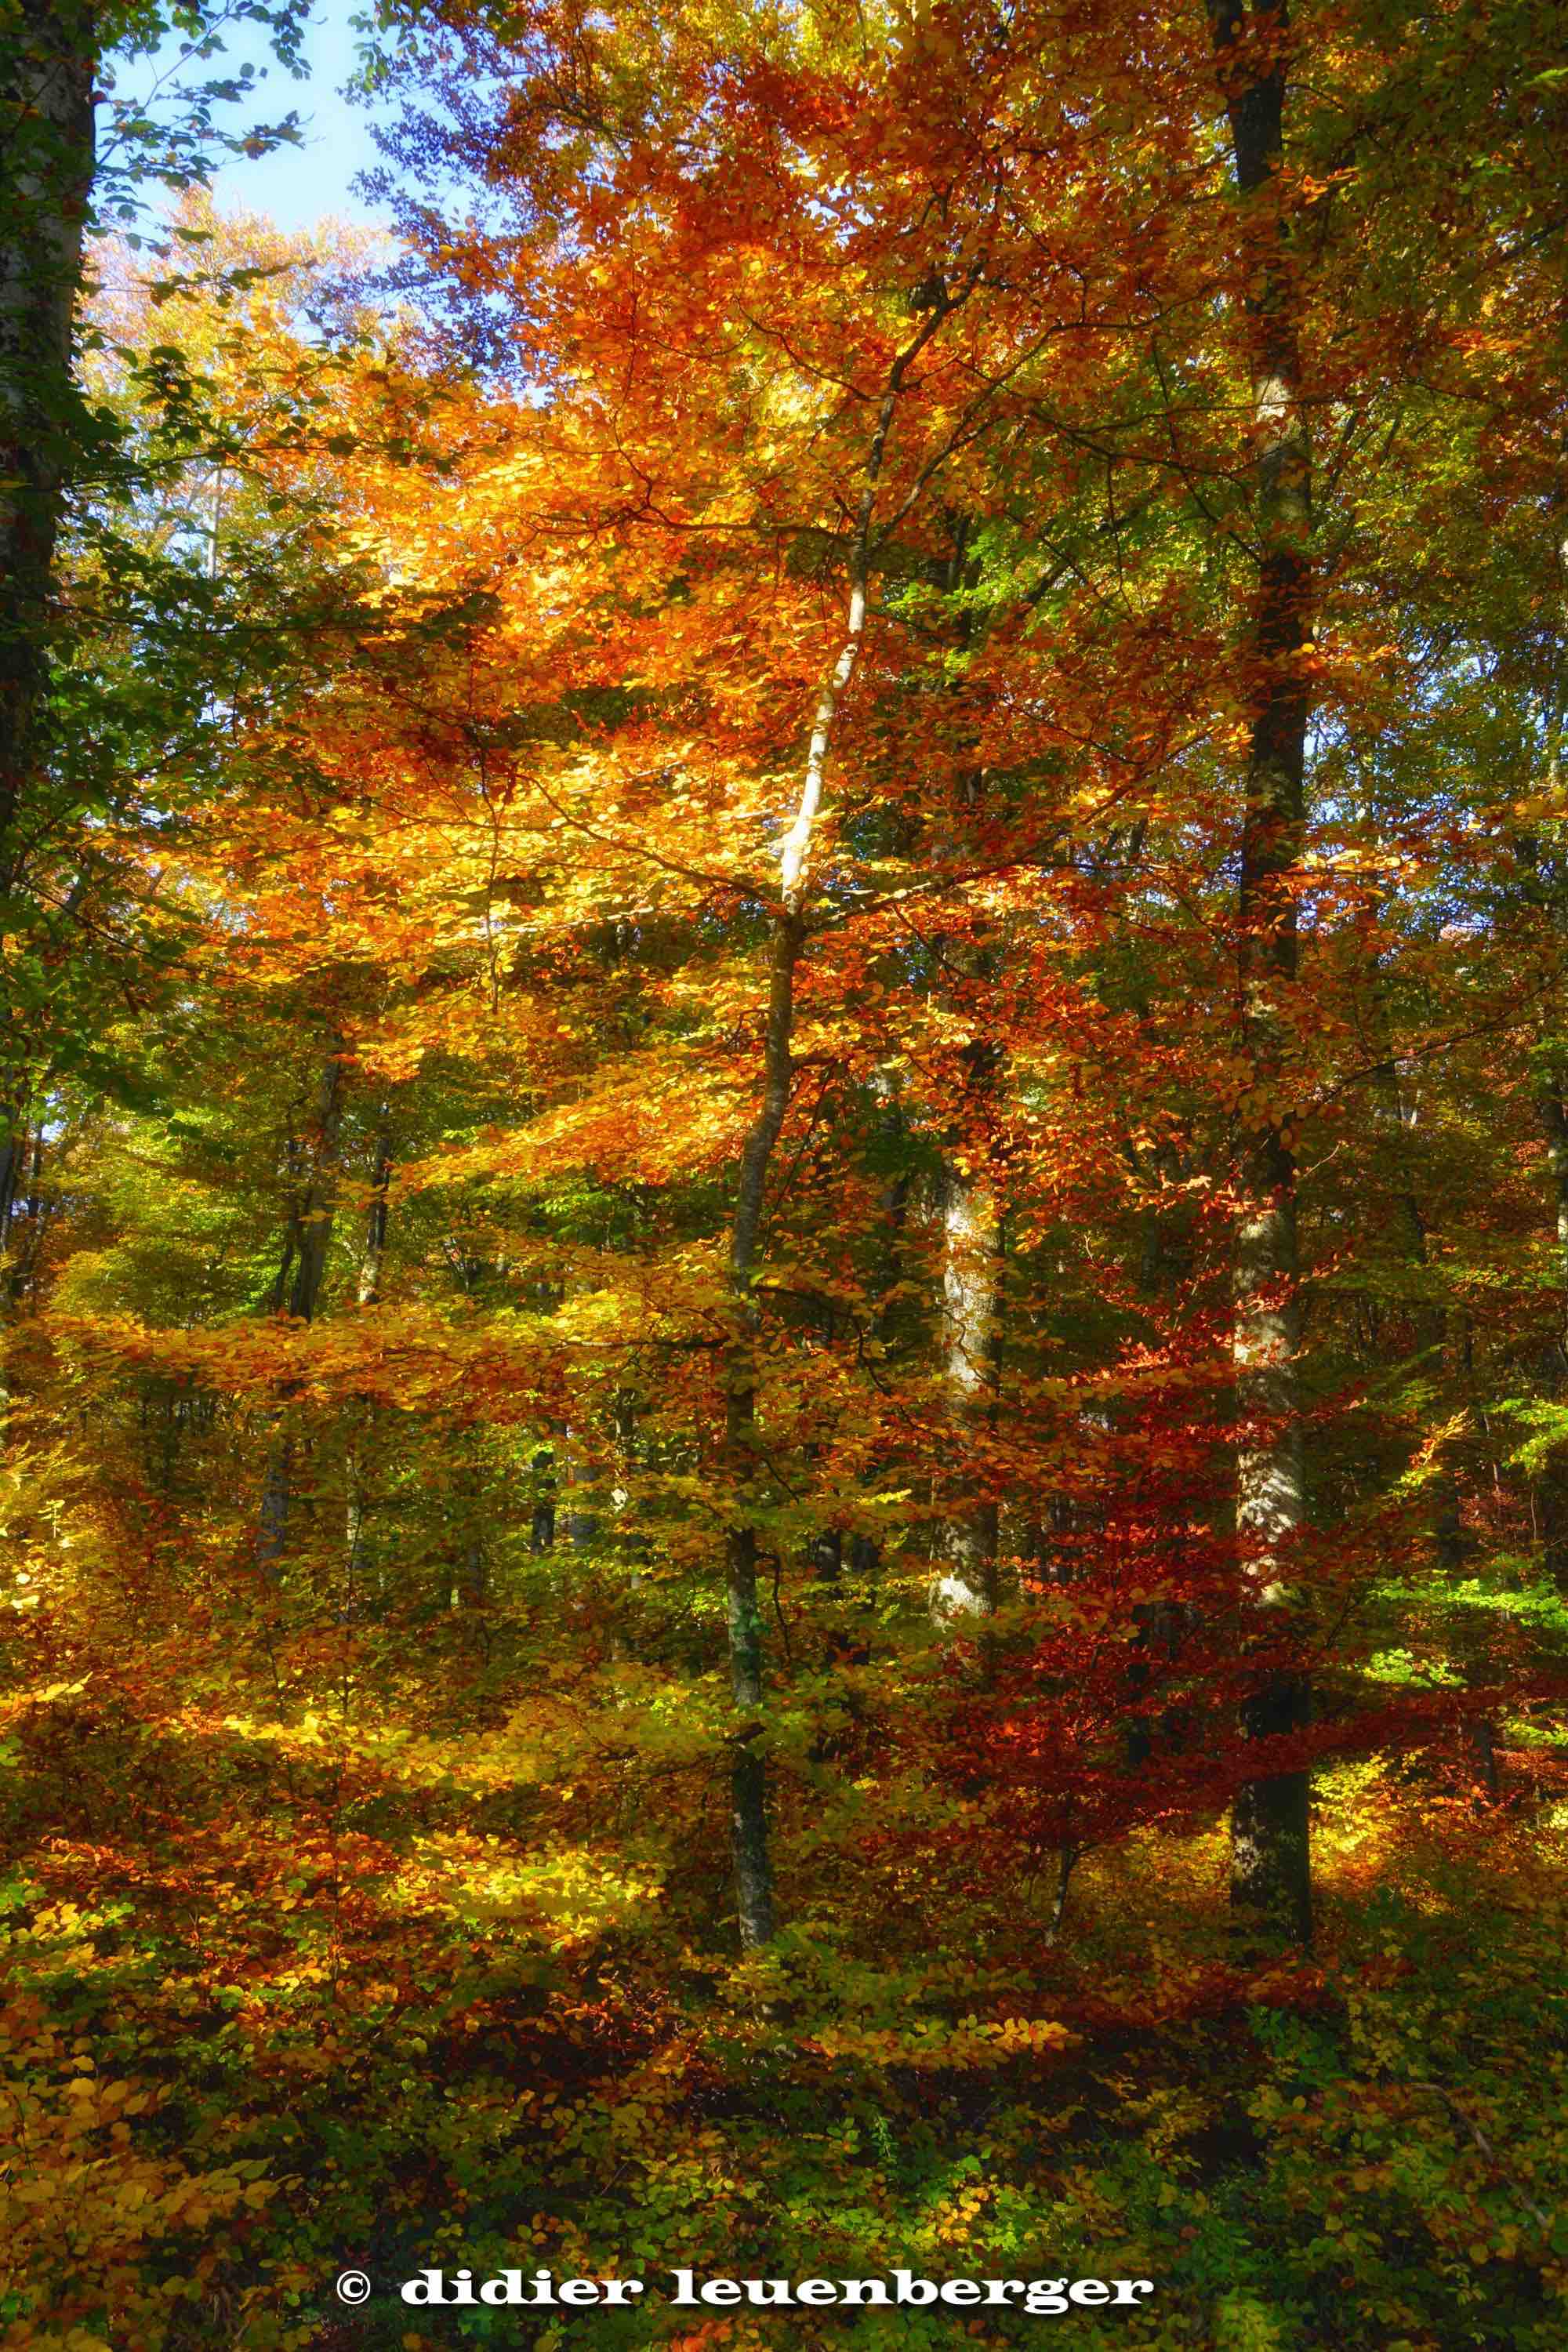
[[282, 1996]]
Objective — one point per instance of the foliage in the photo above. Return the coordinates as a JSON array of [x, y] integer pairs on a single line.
[[632, 1093]]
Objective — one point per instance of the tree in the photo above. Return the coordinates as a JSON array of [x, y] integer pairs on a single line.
[[1271, 1870]]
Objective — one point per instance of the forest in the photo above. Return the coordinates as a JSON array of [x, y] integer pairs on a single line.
[[783, 1180]]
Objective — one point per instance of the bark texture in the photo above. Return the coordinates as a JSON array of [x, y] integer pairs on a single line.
[[48, 60]]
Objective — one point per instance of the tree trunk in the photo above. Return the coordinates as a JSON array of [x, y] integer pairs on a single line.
[[470, 1582], [313, 1216], [1430, 1323], [748, 1768], [1270, 1866], [310, 1233], [747, 1785], [368, 1291], [572, 1478], [1551, 1098], [824, 1556], [964, 1588], [628, 1542], [13, 1159], [1553, 1105], [46, 76], [373, 1253], [542, 1528]]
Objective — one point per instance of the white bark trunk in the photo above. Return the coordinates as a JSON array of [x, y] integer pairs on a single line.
[[965, 1587]]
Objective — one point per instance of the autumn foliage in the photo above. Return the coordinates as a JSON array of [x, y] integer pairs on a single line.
[[786, 1198]]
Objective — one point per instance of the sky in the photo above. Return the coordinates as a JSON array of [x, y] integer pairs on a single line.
[[295, 186]]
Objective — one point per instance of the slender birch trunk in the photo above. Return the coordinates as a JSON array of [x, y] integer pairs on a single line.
[[1270, 1858]]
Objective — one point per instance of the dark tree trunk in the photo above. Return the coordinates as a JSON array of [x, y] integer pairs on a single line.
[[310, 1238], [49, 60]]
